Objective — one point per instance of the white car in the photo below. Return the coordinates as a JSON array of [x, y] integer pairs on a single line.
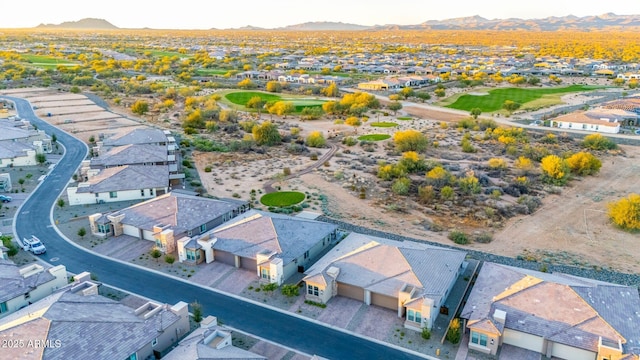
[[34, 245]]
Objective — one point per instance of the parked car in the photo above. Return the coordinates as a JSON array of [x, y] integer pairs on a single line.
[[34, 245], [5, 198]]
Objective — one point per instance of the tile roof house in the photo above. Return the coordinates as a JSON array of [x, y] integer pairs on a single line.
[[275, 246], [408, 277], [166, 218], [128, 182], [556, 315], [78, 323], [597, 120], [19, 146], [209, 342], [22, 286], [138, 147]]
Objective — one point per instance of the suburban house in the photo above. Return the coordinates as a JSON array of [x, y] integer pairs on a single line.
[[556, 315], [274, 246], [598, 120], [77, 323], [19, 144], [25, 285], [166, 218], [410, 278], [209, 342], [128, 182], [108, 152]]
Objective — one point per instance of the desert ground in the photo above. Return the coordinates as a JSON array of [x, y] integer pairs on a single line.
[[570, 228]]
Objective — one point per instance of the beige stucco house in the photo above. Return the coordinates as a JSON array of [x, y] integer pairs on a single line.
[[167, 218], [410, 278], [274, 246], [555, 315]]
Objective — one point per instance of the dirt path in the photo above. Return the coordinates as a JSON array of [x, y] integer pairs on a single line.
[[333, 148]]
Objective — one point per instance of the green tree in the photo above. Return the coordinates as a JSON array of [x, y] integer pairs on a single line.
[[626, 212], [266, 134], [475, 112], [61, 203], [41, 158], [410, 140], [407, 92], [247, 84], [82, 232], [140, 107], [196, 310], [155, 253], [331, 90], [423, 96], [21, 182], [256, 103], [274, 86], [453, 334], [395, 106]]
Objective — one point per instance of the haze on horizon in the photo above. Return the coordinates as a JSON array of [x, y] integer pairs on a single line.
[[190, 14]]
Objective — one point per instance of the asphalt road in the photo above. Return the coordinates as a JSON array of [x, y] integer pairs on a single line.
[[34, 218]]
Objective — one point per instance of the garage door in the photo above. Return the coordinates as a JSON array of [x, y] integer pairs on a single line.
[[350, 291], [131, 231], [384, 301], [249, 264], [225, 257]]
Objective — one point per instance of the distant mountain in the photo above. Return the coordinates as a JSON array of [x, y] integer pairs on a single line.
[[88, 23], [324, 26], [608, 21], [248, 27]]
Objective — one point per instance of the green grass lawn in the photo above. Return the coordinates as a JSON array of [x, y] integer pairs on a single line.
[[282, 198], [46, 61], [496, 97], [405, 118], [374, 137], [205, 72], [242, 97], [383, 124], [164, 53]]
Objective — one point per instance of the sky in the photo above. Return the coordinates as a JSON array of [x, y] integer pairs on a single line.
[[224, 14]]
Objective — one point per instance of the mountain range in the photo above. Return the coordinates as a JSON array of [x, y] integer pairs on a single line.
[[608, 21]]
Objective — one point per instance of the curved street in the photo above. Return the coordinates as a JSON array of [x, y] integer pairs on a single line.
[[35, 218]]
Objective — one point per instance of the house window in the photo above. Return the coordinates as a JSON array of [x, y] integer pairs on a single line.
[[414, 316], [312, 290], [306, 254], [151, 192], [154, 342], [203, 228], [27, 296], [103, 228], [479, 339], [141, 192], [264, 273], [113, 194], [3, 307], [133, 356]]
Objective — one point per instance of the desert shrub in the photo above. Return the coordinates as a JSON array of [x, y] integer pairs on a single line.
[[410, 140], [555, 170], [290, 290], [316, 139], [497, 163], [447, 193], [207, 169], [483, 238], [388, 171], [269, 287], [523, 163], [155, 253], [401, 186], [470, 185], [467, 147], [412, 162], [598, 142], [426, 194], [247, 126], [169, 259], [626, 212], [438, 176], [426, 334], [349, 141], [458, 237], [584, 163], [453, 334], [467, 123]]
